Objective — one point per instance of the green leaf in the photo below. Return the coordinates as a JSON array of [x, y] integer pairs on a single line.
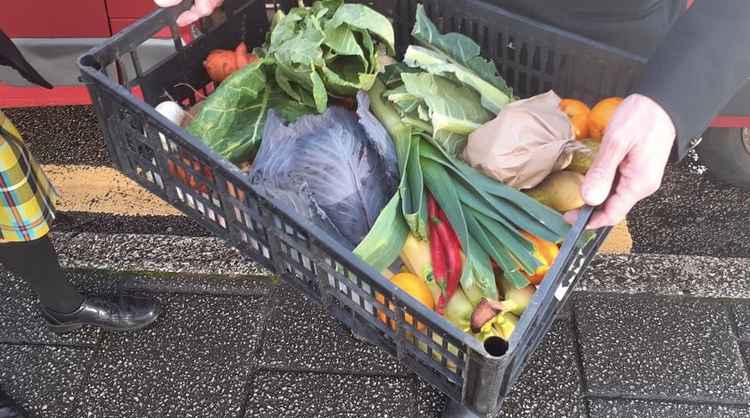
[[362, 17], [483, 276], [414, 217], [391, 75], [326, 7], [289, 109], [433, 62], [341, 40], [543, 221], [471, 200], [303, 47], [544, 215], [285, 26], [231, 119], [319, 92], [283, 82], [465, 60], [497, 251], [382, 245], [454, 109], [524, 214], [400, 133], [325, 50], [344, 77], [370, 51], [440, 185], [498, 231]]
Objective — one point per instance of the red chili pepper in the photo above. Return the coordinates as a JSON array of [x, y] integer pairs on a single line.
[[453, 250], [437, 254]]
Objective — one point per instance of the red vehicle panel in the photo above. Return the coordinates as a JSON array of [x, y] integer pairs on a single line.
[[130, 8], [55, 19]]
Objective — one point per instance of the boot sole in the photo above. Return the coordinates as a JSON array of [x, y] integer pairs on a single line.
[[75, 326]]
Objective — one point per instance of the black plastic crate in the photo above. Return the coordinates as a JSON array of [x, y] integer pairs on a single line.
[[176, 166]]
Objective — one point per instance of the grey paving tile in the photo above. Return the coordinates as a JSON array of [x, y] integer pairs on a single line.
[[137, 252], [600, 408], [644, 345], [20, 320], [691, 214], [550, 385], [302, 335], [430, 401], [180, 384], [45, 380], [669, 275], [204, 325], [278, 394], [742, 320], [194, 361]]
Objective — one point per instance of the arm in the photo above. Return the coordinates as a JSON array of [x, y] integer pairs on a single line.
[[692, 75], [201, 8], [700, 66]]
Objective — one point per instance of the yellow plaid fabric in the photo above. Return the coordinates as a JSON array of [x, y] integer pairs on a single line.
[[27, 198]]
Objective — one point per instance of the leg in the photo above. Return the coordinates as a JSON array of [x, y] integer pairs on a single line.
[[61, 305], [36, 263]]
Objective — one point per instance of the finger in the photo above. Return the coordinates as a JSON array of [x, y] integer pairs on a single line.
[[187, 18], [614, 210], [167, 3], [598, 181], [204, 7], [571, 216]]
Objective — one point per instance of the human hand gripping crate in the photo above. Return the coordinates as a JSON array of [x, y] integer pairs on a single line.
[[377, 183]]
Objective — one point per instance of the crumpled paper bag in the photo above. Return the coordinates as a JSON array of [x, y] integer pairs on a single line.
[[528, 140]]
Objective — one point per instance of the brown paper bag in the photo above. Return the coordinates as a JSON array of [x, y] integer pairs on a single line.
[[528, 140]]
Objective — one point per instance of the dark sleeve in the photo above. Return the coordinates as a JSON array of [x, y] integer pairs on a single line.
[[700, 66], [10, 56]]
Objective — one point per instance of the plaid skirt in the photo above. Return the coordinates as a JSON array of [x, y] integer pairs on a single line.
[[27, 198]]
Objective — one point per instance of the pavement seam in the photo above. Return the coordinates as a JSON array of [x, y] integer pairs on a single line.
[[303, 370], [57, 345], [665, 399], [732, 314], [578, 352], [98, 352], [255, 367]]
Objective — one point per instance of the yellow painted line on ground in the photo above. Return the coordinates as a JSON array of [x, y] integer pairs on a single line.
[[105, 190]]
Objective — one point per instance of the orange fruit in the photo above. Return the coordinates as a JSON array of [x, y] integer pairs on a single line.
[[417, 288], [578, 113], [600, 116]]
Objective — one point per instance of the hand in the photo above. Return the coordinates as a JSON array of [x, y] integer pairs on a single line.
[[636, 145], [201, 8]]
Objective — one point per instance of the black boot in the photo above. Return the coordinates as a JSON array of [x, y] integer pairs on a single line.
[[9, 408], [124, 313]]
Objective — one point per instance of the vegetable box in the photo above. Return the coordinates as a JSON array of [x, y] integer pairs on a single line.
[[177, 166]]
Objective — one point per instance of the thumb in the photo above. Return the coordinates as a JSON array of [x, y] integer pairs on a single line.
[[599, 178]]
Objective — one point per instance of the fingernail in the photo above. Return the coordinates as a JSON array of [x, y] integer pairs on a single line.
[[593, 193]]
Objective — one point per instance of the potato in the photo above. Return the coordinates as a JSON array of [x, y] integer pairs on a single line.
[[581, 159], [560, 190]]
